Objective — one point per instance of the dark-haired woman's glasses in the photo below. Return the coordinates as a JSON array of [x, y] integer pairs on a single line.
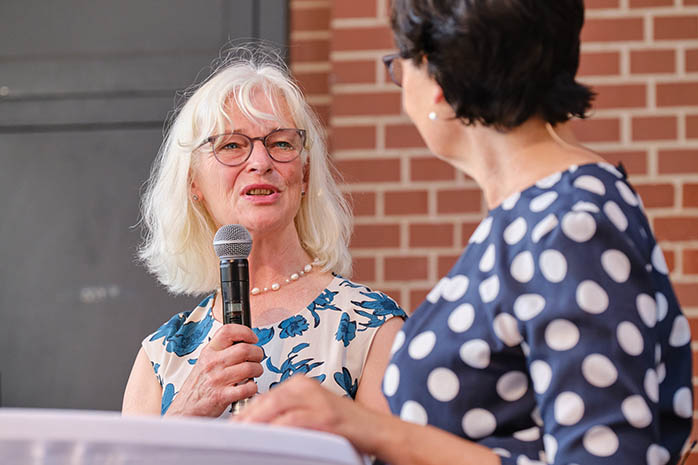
[[232, 149], [393, 64]]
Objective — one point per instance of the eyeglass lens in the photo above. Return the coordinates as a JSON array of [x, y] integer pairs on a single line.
[[283, 145], [394, 66]]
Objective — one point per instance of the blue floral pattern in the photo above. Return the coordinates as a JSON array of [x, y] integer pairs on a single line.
[[332, 349], [293, 326]]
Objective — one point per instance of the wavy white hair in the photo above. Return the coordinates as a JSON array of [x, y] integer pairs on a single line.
[[177, 246]]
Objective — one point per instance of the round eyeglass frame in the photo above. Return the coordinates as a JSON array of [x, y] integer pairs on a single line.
[[263, 139]]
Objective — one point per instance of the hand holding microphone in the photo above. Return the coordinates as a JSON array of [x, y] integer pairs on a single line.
[[222, 376], [232, 244]]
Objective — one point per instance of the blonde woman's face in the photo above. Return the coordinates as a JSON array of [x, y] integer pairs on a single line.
[[261, 194]]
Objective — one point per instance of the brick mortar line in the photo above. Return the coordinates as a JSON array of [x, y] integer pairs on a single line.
[[659, 111], [346, 121], [428, 186], [320, 34], [311, 67], [660, 78], [353, 55], [420, 252], [359, 22], [369, 88], [438, 218], [642, 12], [635, 44], [382, 10]]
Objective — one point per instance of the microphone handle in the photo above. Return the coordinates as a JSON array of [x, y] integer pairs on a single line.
[[235, 291]]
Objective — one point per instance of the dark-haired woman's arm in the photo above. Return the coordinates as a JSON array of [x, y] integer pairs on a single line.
[[302, 402]]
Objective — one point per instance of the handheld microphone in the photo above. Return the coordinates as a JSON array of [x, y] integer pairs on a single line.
[[232, 244]]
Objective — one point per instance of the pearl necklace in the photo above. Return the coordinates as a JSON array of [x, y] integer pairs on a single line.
[[294, 277]]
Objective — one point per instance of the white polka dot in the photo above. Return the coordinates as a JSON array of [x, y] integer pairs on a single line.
[[391, 380], [553, 265], [683, 404], [583, 206], [501, 452], [599, 371], [489, 289], [512, 386], [591, 297], [482, 231], [561, 335], [658, 261], [413, 412], [573, 168], [611, 169], [550, 445], [541, 374], [578, 226], [543, 227], [397, 342], [630, 338], [647, 309], [443, 384], [535, 416], [528, 306], [515, 231], [510, 201], [569, 408], [600, 441], [543, 201], [475, 353], [651, 384], [455, 288], [524, 460], [461, 318], [616, 264], [522, 267], [487, 260], [662, 306], [680, 332], [626, 193], [549, 181], [507, 330], [636, 411], [661, 373], [435, 294], [590, 183], [421, 345], [529, 434], [525, 349], [657, 455], [478, 423], [616, 215], [657, 353]]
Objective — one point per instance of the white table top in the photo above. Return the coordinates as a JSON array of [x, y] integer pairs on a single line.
[[81, 437]]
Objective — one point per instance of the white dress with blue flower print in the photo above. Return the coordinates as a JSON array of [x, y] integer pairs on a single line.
[[328, 340]]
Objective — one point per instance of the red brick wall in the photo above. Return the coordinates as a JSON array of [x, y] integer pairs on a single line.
[[415, 213]]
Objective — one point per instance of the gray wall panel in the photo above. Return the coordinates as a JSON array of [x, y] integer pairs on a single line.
[[85, 87]]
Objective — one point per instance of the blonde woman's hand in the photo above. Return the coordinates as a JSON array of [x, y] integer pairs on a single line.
[[222, 374]]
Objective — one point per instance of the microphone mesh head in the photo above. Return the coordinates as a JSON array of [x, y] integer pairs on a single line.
[[232, 241]]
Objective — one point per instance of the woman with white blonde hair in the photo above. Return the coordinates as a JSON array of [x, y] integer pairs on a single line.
[[306, 317]]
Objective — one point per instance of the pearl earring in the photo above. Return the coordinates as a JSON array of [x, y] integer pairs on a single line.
[[432, 116], [195, 197]]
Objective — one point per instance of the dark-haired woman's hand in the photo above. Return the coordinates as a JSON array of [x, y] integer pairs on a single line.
[[222, 374]]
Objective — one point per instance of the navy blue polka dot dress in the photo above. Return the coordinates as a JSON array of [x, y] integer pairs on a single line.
[[556, 338]]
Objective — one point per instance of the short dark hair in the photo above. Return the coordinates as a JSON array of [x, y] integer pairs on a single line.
[[499, 62]]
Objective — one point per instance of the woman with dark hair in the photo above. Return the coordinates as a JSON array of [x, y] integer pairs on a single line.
[[556, 337]]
